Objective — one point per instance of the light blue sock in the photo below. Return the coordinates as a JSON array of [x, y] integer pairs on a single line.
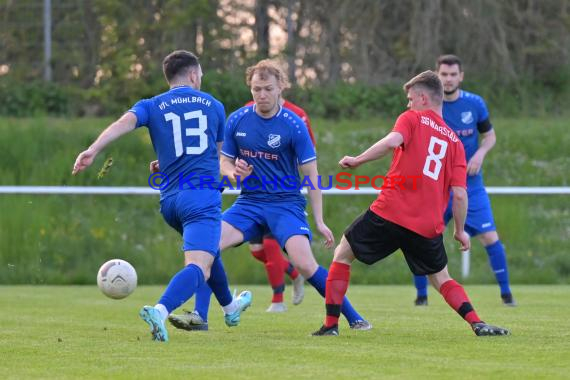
[[181, 287], [218, 282], [319, 282], [498, 262], [421, 285]]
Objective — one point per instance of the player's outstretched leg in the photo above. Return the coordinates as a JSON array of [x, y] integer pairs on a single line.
[[455, 296], [320, 283], [231, 305], [300, 253], [421, 290], [181, 287], [483, 329]]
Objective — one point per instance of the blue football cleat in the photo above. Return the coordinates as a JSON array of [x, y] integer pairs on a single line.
[[152, 316], [244, 301]]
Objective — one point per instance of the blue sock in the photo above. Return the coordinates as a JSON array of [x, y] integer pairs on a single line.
[[498, 262], [218, 282], [181, 287], [319, 282], [421, 285], [203, 295]]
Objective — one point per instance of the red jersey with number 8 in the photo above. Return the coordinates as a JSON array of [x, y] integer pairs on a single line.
[[430, 160]]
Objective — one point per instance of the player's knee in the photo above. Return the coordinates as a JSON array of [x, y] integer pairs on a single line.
[[308, 268], [439, 278], [343, 253], [488, 238]]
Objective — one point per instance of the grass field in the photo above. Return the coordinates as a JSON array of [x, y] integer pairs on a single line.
[[71, 332]]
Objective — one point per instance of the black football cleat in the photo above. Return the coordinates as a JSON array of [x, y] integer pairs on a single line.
[[508, 300], [483, 329], [421, 301], [327, 331]]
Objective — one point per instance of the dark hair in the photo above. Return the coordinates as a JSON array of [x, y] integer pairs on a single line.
[[448, 59], [268, 67], [429, 81], [178, 63]]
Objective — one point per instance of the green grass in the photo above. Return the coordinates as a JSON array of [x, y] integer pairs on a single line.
[[70, 332]]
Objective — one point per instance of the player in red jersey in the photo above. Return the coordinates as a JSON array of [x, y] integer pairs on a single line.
[[409, 214], [267, 250]]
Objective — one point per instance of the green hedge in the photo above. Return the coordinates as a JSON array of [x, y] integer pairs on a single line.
[[524, 97], [60, 239]]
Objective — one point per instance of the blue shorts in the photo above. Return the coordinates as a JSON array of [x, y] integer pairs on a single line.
[[197, 216], [479, 214], [282, 218]]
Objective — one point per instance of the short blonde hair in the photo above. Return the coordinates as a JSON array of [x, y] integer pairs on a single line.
[[430, 82], [268, 67]]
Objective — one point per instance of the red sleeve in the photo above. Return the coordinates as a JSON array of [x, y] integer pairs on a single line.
[[303, 115], [405, 124], [459, 167]]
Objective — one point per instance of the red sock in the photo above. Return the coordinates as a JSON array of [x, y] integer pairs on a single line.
[[290, 269], [274, 268], [337, 285], [259, 255], [455, 296], [271, 246]]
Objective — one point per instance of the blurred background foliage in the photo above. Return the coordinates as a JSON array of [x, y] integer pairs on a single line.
[[345, 58]]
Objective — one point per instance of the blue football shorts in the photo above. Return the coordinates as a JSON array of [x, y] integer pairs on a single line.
[[281, 218], [479, 214], [197, 216]]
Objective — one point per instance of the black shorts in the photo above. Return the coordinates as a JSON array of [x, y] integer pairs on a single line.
[[373, 238]]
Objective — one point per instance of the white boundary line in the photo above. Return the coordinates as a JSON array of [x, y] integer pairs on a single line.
[[126, 190]]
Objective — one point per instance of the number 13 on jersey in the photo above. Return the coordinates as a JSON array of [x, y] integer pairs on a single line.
[[200, 131]]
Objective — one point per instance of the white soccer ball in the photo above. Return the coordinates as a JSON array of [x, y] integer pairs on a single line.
[[117, 278]]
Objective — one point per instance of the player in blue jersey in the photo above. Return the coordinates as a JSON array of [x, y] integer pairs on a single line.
[[268, 145], [186, 127], [467, 114]]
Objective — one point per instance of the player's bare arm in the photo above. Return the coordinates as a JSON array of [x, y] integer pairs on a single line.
[[459, 210], [376, 151], [488, 140], [124, 124], [316, 199]]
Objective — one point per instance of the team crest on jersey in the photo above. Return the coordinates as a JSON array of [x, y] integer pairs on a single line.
[[467, 117], [274, 141]]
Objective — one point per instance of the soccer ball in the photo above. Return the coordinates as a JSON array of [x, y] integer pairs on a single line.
[[117, 278]]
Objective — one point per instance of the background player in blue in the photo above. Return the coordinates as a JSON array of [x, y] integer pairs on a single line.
[[271, 144], [467, 114], [186, 129]]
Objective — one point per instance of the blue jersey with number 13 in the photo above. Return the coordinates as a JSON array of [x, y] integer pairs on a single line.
[[185, 126]]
